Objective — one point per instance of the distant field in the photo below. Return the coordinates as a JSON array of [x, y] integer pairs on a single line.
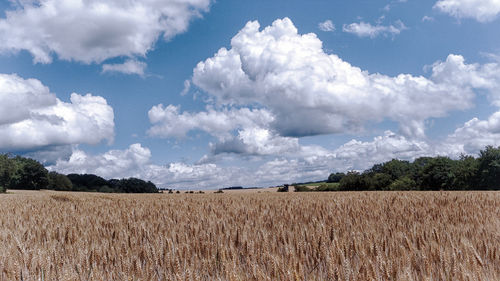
[[250, 236]]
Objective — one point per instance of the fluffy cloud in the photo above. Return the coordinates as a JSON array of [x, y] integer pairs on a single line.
[[364, 29], [31, 117], [105, 29], [481, 10], [454, 71], [326, 26], [473, 136], [169, 122], [360, 155], [135, 162], [112, 164], [128, 67], [19, 96], [257, 141], [310, 92], [285, 164], [50, 154], [275, 85]]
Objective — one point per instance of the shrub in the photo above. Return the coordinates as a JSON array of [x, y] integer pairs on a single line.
[[403, 183], [328, 187], [302, 188]]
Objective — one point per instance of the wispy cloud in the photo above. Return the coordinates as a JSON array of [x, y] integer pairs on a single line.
[[128, 67], [326, 26], [363, 29], [427, 18]]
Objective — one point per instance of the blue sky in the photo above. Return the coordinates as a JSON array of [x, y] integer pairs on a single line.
[[204, 94]]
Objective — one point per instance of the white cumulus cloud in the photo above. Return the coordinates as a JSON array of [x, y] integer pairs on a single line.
[[310, 92], [257, 141], [94, 30], [481, 10], [170, 122], [111, 164], [359, 155], [473, 136], [134, 161], [31, 116]]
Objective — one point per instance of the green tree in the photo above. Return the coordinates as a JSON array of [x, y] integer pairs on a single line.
[[7, 169], [133, 185], [380, 181], [396, 168], [466, 172], [29, 174], [87, 182], [353, 181], [335, 177], [489, 168], [438, 173], [59, 182]]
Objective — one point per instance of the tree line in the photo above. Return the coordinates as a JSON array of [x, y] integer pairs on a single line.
[[25, 173], [424, 173]]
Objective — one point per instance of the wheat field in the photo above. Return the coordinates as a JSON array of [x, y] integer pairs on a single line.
[[253, 236]]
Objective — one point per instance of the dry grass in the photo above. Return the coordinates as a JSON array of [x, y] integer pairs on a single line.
[[259, 236]]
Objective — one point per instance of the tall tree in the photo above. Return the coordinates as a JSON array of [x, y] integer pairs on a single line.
[[466, 172], [29, 174], [489, 168], [438, 173], [7, 169], [59, 182]]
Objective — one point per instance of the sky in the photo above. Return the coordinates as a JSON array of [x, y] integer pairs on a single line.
[[210, 94]]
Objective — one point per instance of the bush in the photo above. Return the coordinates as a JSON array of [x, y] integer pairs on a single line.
[[403, 183], [2, 189], [327, 187], [302, 188]]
